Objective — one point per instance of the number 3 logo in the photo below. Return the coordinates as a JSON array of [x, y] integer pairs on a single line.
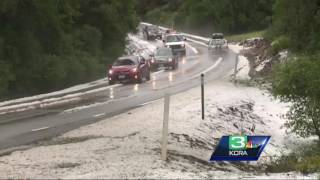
[[237, 142]]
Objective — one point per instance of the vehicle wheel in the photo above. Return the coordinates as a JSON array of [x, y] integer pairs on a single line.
[[139, 80], [111, 83]]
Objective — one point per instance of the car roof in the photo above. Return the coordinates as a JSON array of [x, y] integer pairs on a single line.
[[163, 48], [133, 58], [178, 35], [215, 34], [174, 34]]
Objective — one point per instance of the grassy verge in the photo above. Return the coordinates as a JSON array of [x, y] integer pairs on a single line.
[[244, 36], [305, 159]]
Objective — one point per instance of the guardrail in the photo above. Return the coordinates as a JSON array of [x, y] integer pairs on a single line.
[[202, 40], [72, 94]]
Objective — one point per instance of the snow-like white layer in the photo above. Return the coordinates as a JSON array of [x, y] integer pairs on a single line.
[[243, 68], [52, 101], [144, 46], [262, 64], [236, 48], [70, 94], [48, 95], [283, 55], [127, 145]]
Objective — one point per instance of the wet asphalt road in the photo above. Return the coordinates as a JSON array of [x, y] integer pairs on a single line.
[[119, 98]]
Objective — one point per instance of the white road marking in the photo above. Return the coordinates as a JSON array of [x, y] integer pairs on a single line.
[[149, 102], [192, 48], [210, 68], [39, 129], [112, 86], [99, 115]]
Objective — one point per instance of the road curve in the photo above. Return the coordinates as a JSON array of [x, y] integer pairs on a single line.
[[118, 98]]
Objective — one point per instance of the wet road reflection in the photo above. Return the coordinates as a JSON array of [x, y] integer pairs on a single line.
[[154, 85], [136, 87], [111, 95], [170, 77]]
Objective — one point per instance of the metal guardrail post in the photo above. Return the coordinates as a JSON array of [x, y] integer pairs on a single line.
[[202, 96], [235, 68], [165, 127]]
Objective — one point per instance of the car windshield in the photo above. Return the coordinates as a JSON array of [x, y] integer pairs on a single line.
[[153, 28], [124, 62], [173, 39], [217, 36], [163, 52]]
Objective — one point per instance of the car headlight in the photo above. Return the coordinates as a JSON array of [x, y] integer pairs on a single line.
[[152, 60], [183, 45], [134, 70], [110, 71], [170, 59]]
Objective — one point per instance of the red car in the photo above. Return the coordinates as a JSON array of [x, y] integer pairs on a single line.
[[129, 69]]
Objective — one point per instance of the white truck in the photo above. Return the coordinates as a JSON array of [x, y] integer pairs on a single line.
[[176, 42], [217, 42]]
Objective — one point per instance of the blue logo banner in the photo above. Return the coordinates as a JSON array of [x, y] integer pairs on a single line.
[[239, 148]]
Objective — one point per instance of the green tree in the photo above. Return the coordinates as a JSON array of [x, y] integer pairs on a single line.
[[47, 45], [298, 82], [299, 20], [228, 16]]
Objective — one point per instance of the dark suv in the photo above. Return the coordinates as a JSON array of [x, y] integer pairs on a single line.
[[129, 69], [152, 32], [164, 57]]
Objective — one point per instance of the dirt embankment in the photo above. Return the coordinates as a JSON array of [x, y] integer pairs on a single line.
[[261, 60]]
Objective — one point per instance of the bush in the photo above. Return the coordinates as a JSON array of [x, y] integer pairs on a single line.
[[297, 81], [304, 159], [280, 43]]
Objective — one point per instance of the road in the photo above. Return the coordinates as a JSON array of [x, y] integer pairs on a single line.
[[119, 98]]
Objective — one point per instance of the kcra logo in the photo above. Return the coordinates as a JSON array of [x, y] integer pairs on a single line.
[[239, 148]]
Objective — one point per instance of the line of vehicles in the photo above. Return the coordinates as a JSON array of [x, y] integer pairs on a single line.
[[137, 68]]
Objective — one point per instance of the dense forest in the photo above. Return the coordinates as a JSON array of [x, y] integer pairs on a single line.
[[47, 45], [296, 27], [207, 16]]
